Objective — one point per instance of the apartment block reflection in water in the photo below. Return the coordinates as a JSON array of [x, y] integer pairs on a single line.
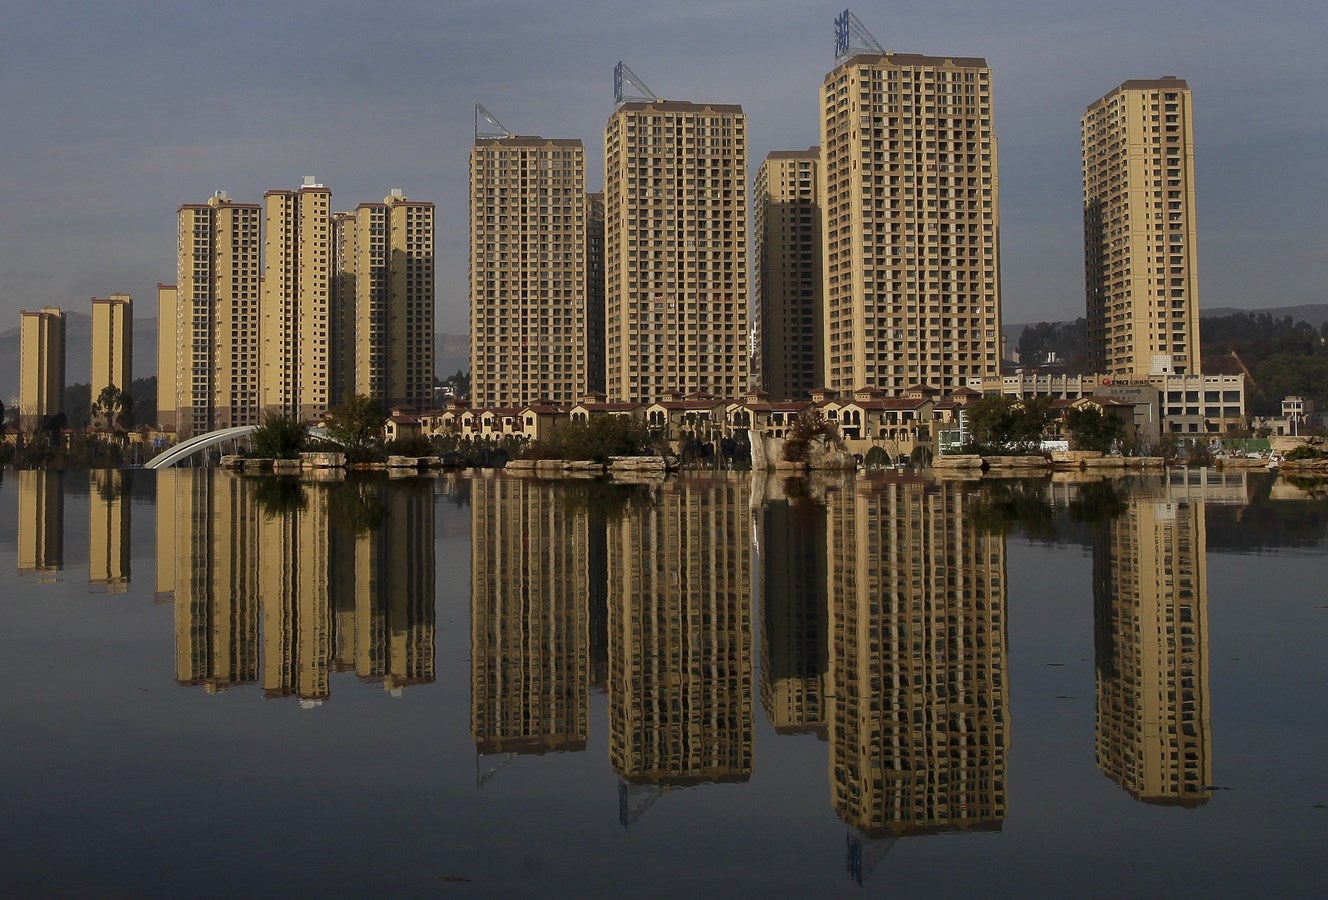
[[41, 523], [1150, 597], [214, 553], [108, 531], [383, 582], [680, 640], [794, 616], [286, 568], [917, 705], [530, 625]]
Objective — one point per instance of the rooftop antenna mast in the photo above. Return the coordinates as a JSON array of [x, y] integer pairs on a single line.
[[852, 37], [487, 126], [628, 86]]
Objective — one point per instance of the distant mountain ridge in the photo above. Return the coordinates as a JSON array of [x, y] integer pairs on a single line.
[[1314, 313]]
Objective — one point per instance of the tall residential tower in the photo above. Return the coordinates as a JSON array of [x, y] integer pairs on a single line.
[[385, 297], [216, 322], [1140, 256], [531, 300], [912, 222], [297, 324], [675, 209], [112, 343], [786, 273], [41, 379]]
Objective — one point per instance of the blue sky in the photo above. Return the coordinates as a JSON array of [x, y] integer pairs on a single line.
[[115, 113]]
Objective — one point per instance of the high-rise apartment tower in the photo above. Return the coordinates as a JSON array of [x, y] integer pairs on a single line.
[[385, 301], [41, 379], [1140, 255], [216, 322], [112, 343], [912, 223], [675, 209], [531, 301], [297, 317], [786, 272]]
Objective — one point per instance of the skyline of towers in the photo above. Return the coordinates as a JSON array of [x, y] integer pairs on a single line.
[[41, 366], [112, 343], [786, 273], [675, 237], [532, 299], [876, 259], [1140, 247], [344, 305], [910, 189]]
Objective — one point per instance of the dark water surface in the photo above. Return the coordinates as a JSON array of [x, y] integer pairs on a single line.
[[485, 685]]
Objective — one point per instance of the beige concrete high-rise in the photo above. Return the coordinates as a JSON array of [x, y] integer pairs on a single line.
[[168, 370], [217, 318], [786, 273], [296, 308], [595, 290], [529, 280], [675, 209], [41, 379], [112, 343], [1140, 248], [912, 223], [385, 293]]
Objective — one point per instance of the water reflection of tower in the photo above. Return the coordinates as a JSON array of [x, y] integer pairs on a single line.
[[41, 523], [382, 573], [794, 617], [108, 531], [680, 644], [917, 705], [213, 551], [294, 564], [1150, 598], [530, 638]]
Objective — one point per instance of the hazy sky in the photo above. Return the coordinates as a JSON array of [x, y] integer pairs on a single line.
[[114, 113]]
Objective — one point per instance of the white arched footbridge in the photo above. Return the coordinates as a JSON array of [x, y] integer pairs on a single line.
[[188, 448]]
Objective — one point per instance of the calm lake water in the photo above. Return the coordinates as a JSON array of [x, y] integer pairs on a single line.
[[718, 685]]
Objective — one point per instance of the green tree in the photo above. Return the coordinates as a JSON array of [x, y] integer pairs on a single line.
[[143, 392], [112, 410], [279, 437], [1092, 429], [357, 427], [77, 404], [1007, 424], [807, 427], [595, 439]]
